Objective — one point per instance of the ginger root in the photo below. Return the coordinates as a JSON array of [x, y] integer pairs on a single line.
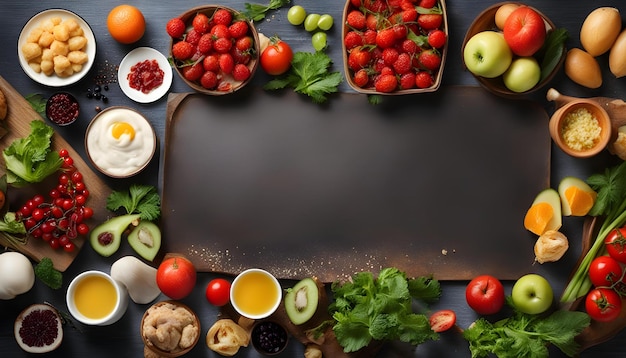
[[225, 337], [550, 246]]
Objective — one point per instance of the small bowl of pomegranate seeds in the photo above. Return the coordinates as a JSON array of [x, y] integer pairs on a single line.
[[214, 49], [62, 108], [144, 75], [388, 50]]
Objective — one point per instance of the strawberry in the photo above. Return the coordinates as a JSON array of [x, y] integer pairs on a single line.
[[244, 43], [358, 58], [219, 31], [205, 45], [429, 21], [193, 37], [356, 20], [241, 72], [226, 62], [407, 81], [356, 3], [409, 15], [371, 21], [409, 46], [222, 16], [175, 28], [402, 64], [390, 55], [377, 6], [194, 72], [429, 59], [386, 83], [369, 37], [238, 29], [208, 80], [387, 70], [200, 23], [437, 38], [182, 50], [427, 3], [240, 56], [222, 45], [385, 38], [361, 78], [210, 63], [352, 40], [407, 5], [423, 79], [400, 31]]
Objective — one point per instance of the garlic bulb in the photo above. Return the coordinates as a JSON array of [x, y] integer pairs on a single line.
[[17, 275], [550, 246]]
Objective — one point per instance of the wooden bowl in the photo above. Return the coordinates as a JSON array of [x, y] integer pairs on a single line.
[[486, 21], [170, 354], [559, 118], [371, 90], [208, 10]]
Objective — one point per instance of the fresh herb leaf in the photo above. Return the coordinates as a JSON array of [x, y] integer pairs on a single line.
[[368, 308], [30, 159], [140, 199], [46, 272], [309, 75], [38, 103], [553, 50], [523, 335], [256, 12]]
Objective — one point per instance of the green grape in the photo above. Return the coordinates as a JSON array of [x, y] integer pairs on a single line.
[[325, 22], [310, 23], [318, 40], [296, 15]]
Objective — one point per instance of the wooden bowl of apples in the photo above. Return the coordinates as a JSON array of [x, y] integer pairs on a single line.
[[513, 49]]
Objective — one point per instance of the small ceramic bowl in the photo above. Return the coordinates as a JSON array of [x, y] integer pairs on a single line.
[[269, 338], [255, 294], [94, 298], [62, 108], [561, 120], [120, 142], [369, 88], [167, 308], [486, 21], [228, 84]]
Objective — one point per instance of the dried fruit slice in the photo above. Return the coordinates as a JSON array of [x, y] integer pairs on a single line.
[[577, 197], [38, 329], [545, 213]]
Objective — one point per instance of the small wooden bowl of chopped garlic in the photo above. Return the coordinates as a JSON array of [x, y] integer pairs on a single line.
[[580, 126]]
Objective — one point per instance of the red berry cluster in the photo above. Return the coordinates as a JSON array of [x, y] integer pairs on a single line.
[[215, 52], [61, 219], [394, 44]]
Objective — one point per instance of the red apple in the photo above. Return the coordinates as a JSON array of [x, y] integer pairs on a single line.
[[524, 31]]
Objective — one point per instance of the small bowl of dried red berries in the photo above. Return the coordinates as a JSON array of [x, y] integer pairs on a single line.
[[393, 50], [214, 49], [62, 108]]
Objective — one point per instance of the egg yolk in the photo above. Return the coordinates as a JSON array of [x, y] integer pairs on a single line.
[[120, 128]]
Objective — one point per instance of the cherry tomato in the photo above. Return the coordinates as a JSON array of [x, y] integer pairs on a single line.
[[615, 243], [603, 304], [442, 320], [176, 277], [485, 295], [604, 271], [276, 58], [218, 292]]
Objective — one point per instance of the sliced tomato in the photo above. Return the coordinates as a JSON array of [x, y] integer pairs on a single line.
[[603, 304], [604, 271], [442, 320], [615, 243]]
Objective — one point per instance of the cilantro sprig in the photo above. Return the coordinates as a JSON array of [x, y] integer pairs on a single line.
[[368, 308], [140, 199], [309, 75], [256, 12]]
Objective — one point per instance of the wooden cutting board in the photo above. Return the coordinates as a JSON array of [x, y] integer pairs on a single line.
[[435, 183], [19, 116]]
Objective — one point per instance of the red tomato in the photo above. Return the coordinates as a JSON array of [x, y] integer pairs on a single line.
[[603, 304], [604, 271], [485, 295], [615, 243], [218, 292], [176, 277], [276, 58], [442, 320]]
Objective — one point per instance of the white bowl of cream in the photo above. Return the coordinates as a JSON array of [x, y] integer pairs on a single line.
[[120, 142]]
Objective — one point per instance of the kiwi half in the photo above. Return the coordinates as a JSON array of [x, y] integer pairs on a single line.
[[301, 301]]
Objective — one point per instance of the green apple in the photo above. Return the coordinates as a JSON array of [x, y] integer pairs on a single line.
[[487, 54], [523, 74], [532, 294]]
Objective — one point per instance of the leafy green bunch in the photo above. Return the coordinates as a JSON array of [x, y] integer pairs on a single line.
[[369, 308]]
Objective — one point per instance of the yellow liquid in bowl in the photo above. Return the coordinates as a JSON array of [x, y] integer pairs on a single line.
[[255, 293], [95, 297]]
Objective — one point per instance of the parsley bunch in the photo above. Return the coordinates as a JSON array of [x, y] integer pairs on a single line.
[[523, 335], [369, 308], [140, 199]]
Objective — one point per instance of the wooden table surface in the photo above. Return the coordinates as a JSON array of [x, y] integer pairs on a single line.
[[122, 338]]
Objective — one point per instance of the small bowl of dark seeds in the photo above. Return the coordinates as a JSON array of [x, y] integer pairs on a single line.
[[62, 108], [269, 338]]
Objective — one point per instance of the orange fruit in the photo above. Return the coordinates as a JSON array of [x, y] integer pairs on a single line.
[[580, 201], [538, 217], [126, 24]]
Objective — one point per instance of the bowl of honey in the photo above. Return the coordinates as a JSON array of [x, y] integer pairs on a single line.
[[95, 298], [255, 293]]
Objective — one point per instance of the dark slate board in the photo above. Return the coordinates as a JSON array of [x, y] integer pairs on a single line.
[[429, 184]]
